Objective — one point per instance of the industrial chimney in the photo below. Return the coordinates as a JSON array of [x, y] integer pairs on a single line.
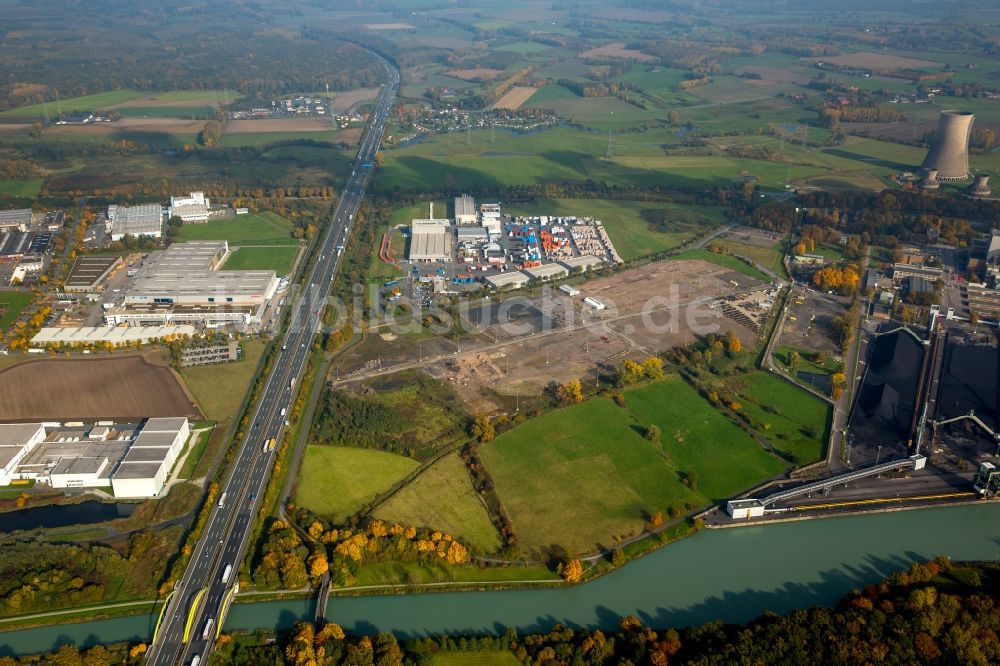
[[949, 152], [980, 188]]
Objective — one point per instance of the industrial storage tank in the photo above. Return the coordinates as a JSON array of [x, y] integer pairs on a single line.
[[949, 153]]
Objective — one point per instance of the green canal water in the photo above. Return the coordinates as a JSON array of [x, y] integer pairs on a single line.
[[730, 575]]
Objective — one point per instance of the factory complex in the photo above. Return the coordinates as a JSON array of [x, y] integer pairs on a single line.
[[182, 285], [504, 251], [133, 459]]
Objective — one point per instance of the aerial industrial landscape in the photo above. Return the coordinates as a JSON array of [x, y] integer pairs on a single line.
[[455, 333]]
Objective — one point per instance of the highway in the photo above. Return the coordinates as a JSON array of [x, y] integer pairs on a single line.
[[225, 537]]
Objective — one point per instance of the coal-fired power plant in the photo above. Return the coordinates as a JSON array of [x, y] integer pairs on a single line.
[[949, 153]]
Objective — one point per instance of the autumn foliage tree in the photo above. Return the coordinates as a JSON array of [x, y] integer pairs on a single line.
[[570, 393], [571, 571]]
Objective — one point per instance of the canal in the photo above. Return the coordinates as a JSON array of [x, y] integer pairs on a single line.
[[730, 575]]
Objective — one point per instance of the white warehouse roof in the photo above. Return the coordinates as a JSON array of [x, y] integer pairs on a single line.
[[112, 334]]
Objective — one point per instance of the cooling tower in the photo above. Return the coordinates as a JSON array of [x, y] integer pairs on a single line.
[[949, 152], [930, 181], [980, 188]]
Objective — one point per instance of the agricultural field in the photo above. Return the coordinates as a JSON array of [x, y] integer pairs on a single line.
[[118, 386], [794, 421], [219, 389], [22, 189], [442, 498], [637, 228], [12, 304], [100, 101], [581, 478], [263, 228], [724, 261], [336, 482], [278, 258], [701, 440]]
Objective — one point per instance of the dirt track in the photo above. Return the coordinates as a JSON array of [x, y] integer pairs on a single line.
[[103, 387]]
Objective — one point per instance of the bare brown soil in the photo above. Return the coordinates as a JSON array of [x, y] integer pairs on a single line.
[[637, 15], [165, 125], [265, 125], [478, 74], [107, 387], [524, 362], [616, 50], [343, 101], [880, 61], [768, 74], [514, 98]]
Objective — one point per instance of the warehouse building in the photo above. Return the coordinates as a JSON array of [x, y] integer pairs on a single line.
[[18, 219], [16, 244], [465, 210], [182, 285], [430, 239], [144, 469], [582, 263], [513, 280], [144, 220], [90, 272], [116, 335], [190, 209], [547, 272], [491, 217], [16, 441]]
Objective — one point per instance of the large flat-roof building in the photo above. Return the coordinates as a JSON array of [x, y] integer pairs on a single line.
[[190, 209], [89, 273], [16, 441], [430, 239], [465, 210], [116, 335], [182, 285], [512, 280], [17, 218], [144, 220]]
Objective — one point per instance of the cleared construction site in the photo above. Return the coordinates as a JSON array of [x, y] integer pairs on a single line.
[[517, 347]]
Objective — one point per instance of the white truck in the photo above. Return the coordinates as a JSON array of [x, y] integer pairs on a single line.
[[208, 628], [227, 573]]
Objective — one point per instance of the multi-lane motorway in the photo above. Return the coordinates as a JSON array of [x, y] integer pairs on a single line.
[[223, 542]]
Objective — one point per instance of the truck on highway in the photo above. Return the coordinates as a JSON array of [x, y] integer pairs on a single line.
[[269, 445], [227, 573], [222, 500], [291, 384], [284, 411], [208, 628], [196, 660]]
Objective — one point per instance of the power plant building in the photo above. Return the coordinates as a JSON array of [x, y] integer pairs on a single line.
[[948, 157]]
